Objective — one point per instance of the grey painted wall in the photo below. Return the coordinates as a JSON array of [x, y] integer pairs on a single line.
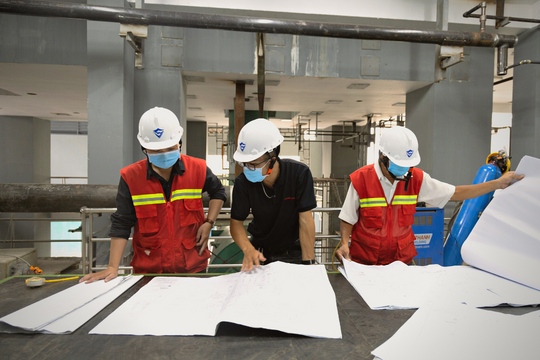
[[234, 52], [452, 119], [41, 40], [24, 149], [345, 155], [525, 139], [198, 135]]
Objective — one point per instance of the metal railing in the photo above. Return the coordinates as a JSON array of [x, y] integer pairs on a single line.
[[323, 242]]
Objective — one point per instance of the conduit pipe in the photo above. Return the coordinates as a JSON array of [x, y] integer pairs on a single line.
[[249, 24]]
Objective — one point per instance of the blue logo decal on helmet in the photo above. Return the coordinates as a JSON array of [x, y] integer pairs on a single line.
[[409, 153], [242, 146], [158, 132]]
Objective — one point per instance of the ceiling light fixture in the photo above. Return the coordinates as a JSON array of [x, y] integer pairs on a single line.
[[357, 86], [193, 79], [334, 102], [286, 120], [31, 94]]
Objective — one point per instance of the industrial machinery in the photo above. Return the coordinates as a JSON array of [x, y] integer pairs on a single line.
[[496, 165], [428, 228]]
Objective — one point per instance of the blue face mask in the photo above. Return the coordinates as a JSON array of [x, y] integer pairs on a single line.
[[397, 170], [164, 160], [256, 175]]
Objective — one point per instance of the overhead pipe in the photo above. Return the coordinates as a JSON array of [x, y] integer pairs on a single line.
[[469, 14], [249, 24], [50, 198]]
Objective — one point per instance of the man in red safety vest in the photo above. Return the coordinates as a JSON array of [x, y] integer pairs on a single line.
[[161, 197], [379, 209]]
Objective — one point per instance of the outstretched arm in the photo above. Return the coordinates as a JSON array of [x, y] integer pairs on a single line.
[[464, 192]]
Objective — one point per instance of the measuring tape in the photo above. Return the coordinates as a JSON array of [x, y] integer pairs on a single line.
[[38, 281]]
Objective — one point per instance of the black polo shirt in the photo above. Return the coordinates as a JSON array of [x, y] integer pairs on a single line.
[[125, 217], [275, 225]]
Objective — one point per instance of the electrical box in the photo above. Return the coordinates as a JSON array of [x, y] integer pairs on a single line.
[[428, 228]]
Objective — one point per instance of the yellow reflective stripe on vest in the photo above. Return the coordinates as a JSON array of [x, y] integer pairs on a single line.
[[373, 202], [148, 199], [186, 194], [405, 200]]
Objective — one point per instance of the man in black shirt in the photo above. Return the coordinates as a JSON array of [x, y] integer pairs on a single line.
[[280, 194], [162, 198]]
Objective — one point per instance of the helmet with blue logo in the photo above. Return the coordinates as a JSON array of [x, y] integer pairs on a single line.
[[255, 139], [400, 145], [159, 128]]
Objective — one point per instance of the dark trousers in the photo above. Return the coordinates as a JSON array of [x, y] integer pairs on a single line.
[[288, 256]]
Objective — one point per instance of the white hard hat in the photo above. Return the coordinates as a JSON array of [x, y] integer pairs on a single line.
[[255, 139], [159, 129], [400, 145]]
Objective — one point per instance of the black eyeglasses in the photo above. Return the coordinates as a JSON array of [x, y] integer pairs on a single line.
[[253, 166]]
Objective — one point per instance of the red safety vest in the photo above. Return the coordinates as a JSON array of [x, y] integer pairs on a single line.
[[165, 231], [383, 232]]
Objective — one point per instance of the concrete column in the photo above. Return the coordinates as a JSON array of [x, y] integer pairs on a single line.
[[110, 109], [160, 83], [198, 134], [239, 117], [25, 147], [525, 138], [452, 119], [110, 99]]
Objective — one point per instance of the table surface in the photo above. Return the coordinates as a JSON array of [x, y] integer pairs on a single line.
[[363, 330]]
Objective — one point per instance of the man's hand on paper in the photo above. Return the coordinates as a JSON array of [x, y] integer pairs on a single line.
[[252, 257], [508, 178], [343, 252], [107, 274], [202, 236]]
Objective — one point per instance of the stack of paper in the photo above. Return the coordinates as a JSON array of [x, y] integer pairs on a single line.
[[296, 299], [66, 311], [463, 332], [398, 286]]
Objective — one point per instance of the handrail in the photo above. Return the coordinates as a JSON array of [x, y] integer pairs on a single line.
[[86, 240]]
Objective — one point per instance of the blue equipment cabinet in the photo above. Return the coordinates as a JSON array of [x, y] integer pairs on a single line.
[[428, 228]]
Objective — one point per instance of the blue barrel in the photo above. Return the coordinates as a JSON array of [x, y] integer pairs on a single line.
[[468, 216]]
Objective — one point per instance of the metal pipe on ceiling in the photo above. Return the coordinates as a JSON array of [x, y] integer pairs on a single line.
[[249, 24]]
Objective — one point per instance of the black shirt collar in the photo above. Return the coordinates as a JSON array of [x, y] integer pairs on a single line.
[[177, 169]]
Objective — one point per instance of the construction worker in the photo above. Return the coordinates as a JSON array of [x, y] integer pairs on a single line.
[[381, 202], [161, 197], [279, 193]]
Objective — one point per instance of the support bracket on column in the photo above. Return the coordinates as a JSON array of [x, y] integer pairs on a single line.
[[450, 55], [134, 35]]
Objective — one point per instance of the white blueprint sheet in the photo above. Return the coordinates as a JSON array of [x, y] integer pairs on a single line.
[[295, 299], [398, 286], [66, 311], [506, 238], [463, 332]]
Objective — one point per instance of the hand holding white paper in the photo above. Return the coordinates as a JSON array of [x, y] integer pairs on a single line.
[[506, 238]]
